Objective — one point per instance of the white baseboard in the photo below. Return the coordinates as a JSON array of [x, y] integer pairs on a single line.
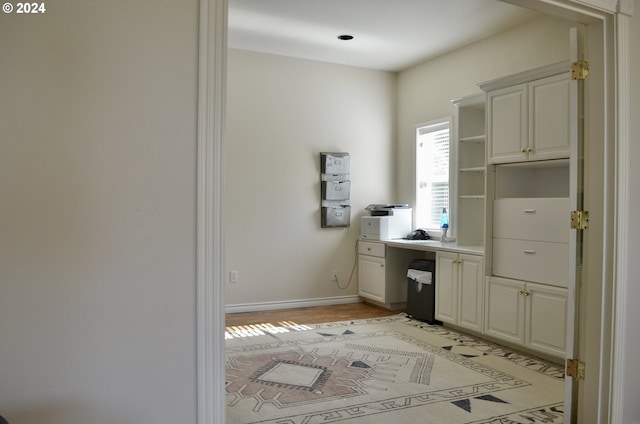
[[289, 304]]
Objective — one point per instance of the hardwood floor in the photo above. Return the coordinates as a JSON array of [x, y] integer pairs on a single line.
[[310, 315]]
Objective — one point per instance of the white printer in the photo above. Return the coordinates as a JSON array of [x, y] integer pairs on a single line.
[[386, 222]]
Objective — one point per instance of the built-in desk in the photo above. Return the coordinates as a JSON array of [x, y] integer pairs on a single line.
[[433, 246], [459, 280]]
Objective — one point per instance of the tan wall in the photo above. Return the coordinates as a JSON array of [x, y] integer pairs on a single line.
[[97, 206], [281, 114]]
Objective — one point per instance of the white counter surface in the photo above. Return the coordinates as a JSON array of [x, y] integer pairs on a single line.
[[431, 246]]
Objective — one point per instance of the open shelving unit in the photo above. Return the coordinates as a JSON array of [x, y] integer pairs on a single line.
[[470, 171]]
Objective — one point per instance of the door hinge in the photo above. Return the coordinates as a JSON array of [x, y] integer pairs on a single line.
[[580, 70], [575, 369], [579, 220]]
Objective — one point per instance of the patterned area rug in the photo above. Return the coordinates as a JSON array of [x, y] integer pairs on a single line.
[[385, 370]]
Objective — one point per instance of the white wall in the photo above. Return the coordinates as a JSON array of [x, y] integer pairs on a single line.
[[97, 206], [630, 253], [425, 91], [281, 114]]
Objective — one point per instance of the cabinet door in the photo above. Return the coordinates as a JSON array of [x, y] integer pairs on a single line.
[[371, 281], [546, 319], [549, 117], [447, 287], [507, 124], [504, 309], [470, 292]]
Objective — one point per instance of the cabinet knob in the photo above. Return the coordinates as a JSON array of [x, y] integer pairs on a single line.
[[524, 293], [523, 150], [381, 265], [529, 149]]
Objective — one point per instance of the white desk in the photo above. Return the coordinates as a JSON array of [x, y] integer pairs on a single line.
[[383, 272], [431, 246]]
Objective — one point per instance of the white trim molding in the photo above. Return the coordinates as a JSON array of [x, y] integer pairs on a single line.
[[210, 371], [525, 76], [626, 7], [623, 219], [289, 304], [607, 5]]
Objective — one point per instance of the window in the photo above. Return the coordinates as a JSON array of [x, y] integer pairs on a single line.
[[432, 173]]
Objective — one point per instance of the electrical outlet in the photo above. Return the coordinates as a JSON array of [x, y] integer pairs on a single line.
[[233, 276], [334, 275]]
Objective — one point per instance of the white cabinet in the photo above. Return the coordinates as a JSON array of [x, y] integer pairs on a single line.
[[528, 120], [549, 118], [528, 314], [371, 281], [459, 290], [468, 171], [504, 309], [527, 234], [526, 294], [382, 274], [531, 239], [507, 124]]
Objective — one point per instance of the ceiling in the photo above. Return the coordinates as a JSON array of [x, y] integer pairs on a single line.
[[388, 35]]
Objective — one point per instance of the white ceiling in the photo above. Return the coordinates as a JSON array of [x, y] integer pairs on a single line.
[[390, 35]]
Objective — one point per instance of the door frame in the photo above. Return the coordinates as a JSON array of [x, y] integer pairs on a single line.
[[210, 305]]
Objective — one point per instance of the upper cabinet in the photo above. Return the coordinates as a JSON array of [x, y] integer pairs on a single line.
[[549, 117], [527, 115], [508, 124]]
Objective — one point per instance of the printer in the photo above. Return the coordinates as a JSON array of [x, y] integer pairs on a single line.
[[386, 221]]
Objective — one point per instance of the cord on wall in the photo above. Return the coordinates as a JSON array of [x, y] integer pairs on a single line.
[[353, 269]]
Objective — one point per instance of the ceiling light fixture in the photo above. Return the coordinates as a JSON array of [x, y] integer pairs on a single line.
[[345, 37]]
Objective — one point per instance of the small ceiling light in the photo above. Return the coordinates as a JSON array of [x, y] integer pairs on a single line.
[[345, 37]]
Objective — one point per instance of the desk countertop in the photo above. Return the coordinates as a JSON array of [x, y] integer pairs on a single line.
[[432, 246]]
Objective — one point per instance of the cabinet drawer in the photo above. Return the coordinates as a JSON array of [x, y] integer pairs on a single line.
[[372, 249], [537, 261], [542, 219]]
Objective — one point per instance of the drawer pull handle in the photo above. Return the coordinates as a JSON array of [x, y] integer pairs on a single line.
[[368, 249], [529, 252], [529, 211]]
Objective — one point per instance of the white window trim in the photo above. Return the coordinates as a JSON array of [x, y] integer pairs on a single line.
[[438, 124]]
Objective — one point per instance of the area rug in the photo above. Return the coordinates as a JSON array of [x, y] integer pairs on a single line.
[[385, 370]]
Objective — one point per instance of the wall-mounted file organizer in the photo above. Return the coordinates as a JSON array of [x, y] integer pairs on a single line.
[[335, 190]]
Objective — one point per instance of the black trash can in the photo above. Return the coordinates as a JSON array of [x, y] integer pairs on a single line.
[[421, 290]]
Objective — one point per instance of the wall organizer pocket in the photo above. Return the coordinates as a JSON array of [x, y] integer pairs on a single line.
[[335, 190]]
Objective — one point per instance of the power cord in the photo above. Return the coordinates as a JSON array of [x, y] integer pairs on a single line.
[[355, 265]]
